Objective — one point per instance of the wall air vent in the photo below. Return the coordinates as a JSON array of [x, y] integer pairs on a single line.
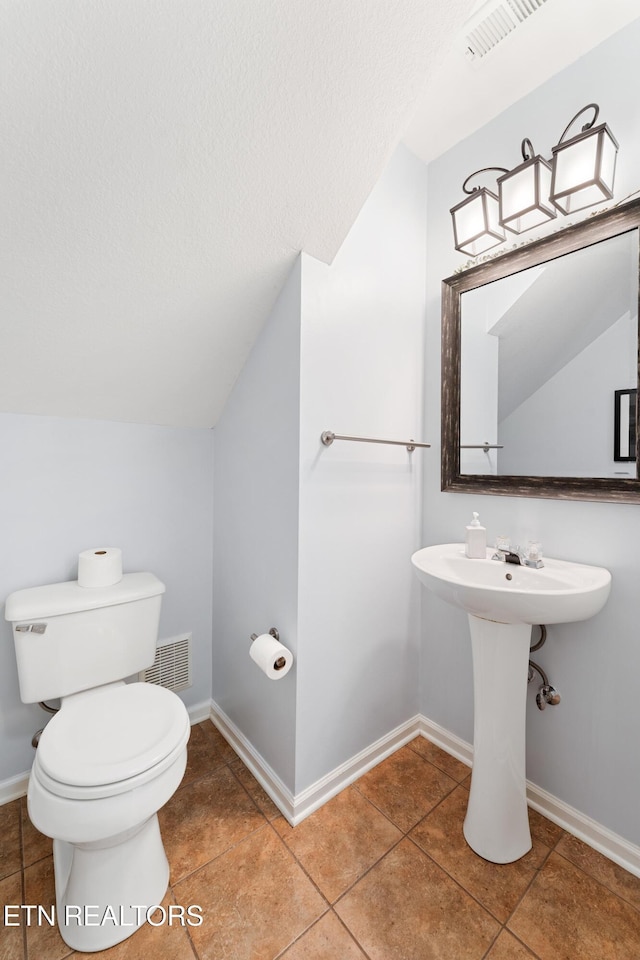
[[172, 665], [493, 22]]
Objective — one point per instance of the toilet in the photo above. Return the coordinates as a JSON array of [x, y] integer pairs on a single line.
[[109, 759]]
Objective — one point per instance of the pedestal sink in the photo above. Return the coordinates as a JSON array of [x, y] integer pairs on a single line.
[[503, 601]]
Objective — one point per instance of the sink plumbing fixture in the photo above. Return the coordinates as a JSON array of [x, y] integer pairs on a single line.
[[531, 557], [35, 739], [503, 602], [546, 693]]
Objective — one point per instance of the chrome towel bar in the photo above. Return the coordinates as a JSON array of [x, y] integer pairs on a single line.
[[328, 437], [486, 446]]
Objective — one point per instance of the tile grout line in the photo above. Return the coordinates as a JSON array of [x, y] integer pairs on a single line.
[[428, 813], [591, 876], [187, 929], [282, 954], [227, 764], [353, 937], [537, 871], [23, 882], [331, 905], [457, 882], [441, 769], [504, 927], [222, 853]]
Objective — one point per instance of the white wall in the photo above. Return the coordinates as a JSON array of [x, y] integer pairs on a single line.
[[361, 374], [316, 540], [585, 750], [256, 534], [67, 485]]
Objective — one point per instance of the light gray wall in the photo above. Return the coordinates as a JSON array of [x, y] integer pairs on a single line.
[[67, 485], [479, 383], [316, 540], [256, 534], [568, 423], [361, 374], [585, 750]]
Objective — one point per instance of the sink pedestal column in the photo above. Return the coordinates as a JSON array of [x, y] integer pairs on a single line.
[[497, 822]]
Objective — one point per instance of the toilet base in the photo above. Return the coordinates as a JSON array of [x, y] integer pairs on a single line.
[[104, 889]]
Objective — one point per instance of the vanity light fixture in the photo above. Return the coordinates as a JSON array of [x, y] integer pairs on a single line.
[[524, 192], [580, 174], [476, 219], [583, 166]]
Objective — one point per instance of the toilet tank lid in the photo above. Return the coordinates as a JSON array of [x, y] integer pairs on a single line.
[[56, 599]]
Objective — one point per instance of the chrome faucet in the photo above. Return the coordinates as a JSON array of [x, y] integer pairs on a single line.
[[514, 556], [519, 557]]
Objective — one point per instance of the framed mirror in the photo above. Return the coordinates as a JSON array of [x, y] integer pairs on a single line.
[[540, 366]]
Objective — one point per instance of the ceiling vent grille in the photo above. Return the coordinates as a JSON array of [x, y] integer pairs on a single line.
[[172, 665], [495, 21]]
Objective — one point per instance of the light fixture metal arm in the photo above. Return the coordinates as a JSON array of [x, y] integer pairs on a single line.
[[528, 153], [475, 174], [587, 126]]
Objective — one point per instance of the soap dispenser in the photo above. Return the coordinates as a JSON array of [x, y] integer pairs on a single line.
[[476, 541]]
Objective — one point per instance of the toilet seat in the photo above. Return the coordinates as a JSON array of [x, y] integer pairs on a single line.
[[110, 740]]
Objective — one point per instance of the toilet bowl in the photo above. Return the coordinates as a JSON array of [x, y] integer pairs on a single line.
[[109, 759], [106, 763]]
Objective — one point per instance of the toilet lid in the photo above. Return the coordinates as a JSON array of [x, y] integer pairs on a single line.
[[113, 734]]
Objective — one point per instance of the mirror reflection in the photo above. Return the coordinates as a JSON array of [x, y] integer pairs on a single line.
[[548, 367]]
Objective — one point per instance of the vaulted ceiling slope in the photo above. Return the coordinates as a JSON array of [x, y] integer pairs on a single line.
[[163, 162]]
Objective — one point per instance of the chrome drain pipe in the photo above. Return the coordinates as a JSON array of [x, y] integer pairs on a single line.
[[35, 739], [547, 694]]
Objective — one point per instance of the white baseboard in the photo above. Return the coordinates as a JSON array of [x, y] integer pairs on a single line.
[[14, 787], [296, 808], [327, 787], [266, 777], [199, 712], [447, 741], [605, 841]]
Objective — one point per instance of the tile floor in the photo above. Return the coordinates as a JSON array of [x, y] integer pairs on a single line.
[[380, 872]]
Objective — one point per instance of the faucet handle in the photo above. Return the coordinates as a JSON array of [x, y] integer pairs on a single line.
[[503, 546], [533, 554], [534, 550]]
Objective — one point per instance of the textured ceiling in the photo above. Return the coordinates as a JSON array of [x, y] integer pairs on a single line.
[[163, 162]]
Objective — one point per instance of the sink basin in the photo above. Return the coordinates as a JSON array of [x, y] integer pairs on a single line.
[[503, 601], [559, 592]]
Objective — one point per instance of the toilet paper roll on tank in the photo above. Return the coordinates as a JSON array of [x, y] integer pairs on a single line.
[[271, 656], [99, 567]]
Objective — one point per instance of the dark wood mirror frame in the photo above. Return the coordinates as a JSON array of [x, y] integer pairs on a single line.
[[592, 230]]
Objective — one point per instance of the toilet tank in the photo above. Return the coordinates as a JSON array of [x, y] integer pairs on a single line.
[[70, 638]]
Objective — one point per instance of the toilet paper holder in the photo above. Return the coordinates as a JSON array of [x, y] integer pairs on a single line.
[[280, 662], [272, 632]]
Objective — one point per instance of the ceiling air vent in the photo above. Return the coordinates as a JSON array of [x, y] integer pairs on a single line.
[[493, 22], [172, 665]]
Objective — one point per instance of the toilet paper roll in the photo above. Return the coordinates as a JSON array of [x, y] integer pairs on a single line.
[[271, 656], [100, 567]]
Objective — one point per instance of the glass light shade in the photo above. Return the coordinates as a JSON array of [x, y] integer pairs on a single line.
[[476, 225], [524, 196], [583, 169]]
